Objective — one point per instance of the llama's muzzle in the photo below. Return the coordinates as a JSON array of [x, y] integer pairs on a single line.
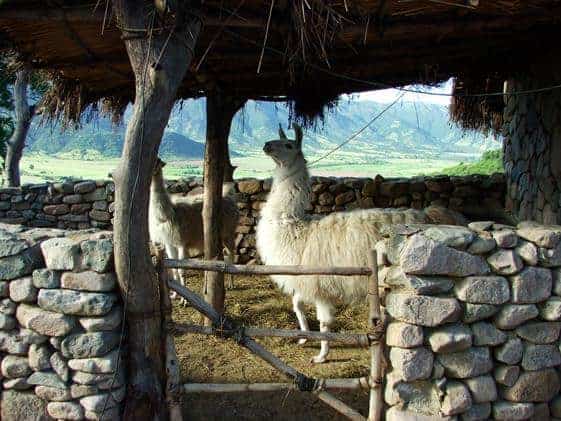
[[267, 148]]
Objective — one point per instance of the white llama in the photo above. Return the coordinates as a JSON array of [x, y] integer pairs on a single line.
[[287, 235], [178, 224]]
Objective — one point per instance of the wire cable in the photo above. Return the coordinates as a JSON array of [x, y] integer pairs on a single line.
[[368, 124]]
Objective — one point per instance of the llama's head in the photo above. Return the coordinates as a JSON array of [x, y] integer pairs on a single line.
[[285, 151], [158, 166]]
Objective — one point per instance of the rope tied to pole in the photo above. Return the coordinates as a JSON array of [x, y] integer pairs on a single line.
[[225, 328], [306, 384]]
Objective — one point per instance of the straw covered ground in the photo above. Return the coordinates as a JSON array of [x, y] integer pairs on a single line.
[[256, 302]]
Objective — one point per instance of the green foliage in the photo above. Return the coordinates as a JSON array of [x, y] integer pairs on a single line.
[[489, 163]]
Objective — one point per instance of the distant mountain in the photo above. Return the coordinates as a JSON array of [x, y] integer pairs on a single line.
[[104, 140], [406, 129], [175, 145]]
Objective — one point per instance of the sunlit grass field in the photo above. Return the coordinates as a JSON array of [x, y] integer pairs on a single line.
[[37, 168]]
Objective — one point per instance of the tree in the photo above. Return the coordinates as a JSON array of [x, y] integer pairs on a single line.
[[6, 107], [159, 62], [17, 114], [23, 114]]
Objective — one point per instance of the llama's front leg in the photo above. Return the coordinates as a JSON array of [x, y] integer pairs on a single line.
[[325, 316], [183, 254], [172, 254], [298, 307], [229, 259]]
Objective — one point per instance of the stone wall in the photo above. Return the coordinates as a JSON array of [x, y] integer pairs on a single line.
[[474, 321], [60, 324], [85, 204], [532, 150]]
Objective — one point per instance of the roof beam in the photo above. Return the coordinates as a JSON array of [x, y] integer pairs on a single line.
[[88, 15]]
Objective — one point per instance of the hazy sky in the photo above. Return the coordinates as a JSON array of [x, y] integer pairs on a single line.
[[389, 95]]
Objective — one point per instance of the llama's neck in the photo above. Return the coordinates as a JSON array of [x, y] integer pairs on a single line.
[[290, 193], [161, 207]]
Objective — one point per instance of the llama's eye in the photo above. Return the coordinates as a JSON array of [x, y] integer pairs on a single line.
[[289, 146]]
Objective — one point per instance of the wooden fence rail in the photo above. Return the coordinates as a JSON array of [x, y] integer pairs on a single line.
[[219, 266], [328, 384], [222, 326], [352, 339]]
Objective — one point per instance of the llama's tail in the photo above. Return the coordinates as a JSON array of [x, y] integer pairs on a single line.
[[444, 216]]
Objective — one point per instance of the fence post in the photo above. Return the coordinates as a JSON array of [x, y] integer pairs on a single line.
[[375, 322], [173, 392]]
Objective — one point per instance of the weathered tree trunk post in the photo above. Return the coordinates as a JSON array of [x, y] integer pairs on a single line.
[[220, 109], [16, 143], [159, 61], [532, 150]]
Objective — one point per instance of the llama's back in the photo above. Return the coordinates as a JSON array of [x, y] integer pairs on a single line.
[[338, 239], [191, 220]]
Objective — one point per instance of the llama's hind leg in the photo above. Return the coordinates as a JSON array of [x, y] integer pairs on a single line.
[[298, 307], [325, 316]]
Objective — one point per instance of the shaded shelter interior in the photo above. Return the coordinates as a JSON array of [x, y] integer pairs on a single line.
[[312, 52]]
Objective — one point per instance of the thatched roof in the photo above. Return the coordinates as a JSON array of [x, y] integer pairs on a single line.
[[478, 113], [315, 49]]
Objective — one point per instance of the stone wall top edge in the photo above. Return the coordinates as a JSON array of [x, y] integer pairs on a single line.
[[497, 177]]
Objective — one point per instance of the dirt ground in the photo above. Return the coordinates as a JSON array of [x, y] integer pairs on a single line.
[[255, 301]]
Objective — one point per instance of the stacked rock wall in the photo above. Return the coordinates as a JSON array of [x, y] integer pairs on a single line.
[[475, 320], [532, 151], [60, 325], [85, 204]]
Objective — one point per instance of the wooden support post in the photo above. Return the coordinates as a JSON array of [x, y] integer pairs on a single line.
[[375, 323], [173, 391], [220, 110], [159, 62]]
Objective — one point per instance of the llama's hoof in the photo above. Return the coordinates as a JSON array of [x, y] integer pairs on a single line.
[[318, 359], [302, 341], [172, 295], [183, 302]]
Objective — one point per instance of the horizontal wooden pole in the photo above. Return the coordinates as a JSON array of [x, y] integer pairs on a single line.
[[87, 15], [219, 266], [331, 384], [354, 339]]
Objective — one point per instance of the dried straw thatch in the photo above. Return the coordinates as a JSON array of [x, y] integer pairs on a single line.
[[478, 113], [307, 51]]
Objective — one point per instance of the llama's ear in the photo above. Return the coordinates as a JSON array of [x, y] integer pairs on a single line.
[[159, 163], [282, 135], [299, 135]]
